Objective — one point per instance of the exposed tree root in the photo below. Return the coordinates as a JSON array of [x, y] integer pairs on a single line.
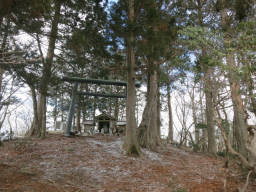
[[243, 189]]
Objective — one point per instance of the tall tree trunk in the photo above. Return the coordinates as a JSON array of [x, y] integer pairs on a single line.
[[78, 116], [116, 113], [208, 90], [41, 110], [195, 121], [239, 121], [83, 119], [210, 111], [34, 130], [62, 106], [94, 103], [55, 112], [204, 131], [131, 144], [158, 108], [148, 132], [170, 132], [1, 81], [43, 131], [116, 109], [207, 70], [47, 65], [240, 117]]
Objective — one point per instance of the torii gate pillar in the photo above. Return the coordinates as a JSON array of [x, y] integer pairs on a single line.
[[71, 109]]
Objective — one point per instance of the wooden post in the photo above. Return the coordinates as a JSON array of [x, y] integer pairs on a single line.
[[71, 110]]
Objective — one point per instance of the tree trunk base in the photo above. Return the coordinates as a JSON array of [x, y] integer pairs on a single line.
[[132, 150]]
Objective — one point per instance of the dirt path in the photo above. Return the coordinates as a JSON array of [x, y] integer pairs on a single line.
[[98, 164]]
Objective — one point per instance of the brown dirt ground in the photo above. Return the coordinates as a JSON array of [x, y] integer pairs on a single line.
[[98, 164]]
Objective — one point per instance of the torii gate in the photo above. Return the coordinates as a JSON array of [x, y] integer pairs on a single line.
[[76, 80]]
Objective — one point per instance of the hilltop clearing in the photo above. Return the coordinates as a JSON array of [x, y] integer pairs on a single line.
[[98, 164]]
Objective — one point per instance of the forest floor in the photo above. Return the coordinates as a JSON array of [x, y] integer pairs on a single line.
[[98, 164]]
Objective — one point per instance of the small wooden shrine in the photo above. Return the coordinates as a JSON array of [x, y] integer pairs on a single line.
[[105, 123]]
